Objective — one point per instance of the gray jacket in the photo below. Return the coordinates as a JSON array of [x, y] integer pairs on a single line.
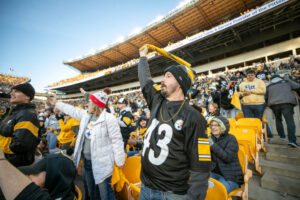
[[280, 91]]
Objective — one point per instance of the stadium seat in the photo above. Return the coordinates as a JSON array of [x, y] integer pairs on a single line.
[[131, 171], [264, 120], [248, 139], [232, 122], [216, 190], [243, 159], [253, 123], [78, 193]]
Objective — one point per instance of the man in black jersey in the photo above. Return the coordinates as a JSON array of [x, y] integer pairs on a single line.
[[176, 154], [125, 120]]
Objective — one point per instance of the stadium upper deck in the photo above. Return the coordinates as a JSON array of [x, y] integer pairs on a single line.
[[195, 16], [269, 24]]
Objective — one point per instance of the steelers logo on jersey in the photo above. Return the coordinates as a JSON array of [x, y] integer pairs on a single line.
[[178, 125]]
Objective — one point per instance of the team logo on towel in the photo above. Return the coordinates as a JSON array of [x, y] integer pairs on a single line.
[[178, 125]]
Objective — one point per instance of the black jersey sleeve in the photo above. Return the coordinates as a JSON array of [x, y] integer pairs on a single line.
[[127, 118], [197, 143], [198, 149]]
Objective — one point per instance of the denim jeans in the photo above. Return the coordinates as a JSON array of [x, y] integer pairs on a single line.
[[89, 181], [228, 113], [253, 111], [149, 194], [106, 193], [131, 153], [287, 110], [52, 140], [229, 185]]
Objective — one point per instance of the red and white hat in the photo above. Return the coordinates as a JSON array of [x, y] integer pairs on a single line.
[[100, 98]]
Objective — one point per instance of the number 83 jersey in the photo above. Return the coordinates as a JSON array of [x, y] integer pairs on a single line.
[[172, 148]]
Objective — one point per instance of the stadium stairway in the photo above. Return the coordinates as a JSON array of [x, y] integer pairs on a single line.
[[280, 178]]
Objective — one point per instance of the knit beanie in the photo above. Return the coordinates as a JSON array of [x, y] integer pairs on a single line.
[[183, 75], [26, 89], [100, 98], [275, 76], [223, 122]]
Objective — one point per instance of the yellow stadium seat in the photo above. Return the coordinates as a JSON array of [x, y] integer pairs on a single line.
[[131, 170], [240, 192], [232, 122], [216, 190], [78, 193], [253, 123], [248, 139]]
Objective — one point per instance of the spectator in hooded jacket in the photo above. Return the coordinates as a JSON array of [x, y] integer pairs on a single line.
[[227, 109], [53, 128], [281, 99], [224, 150], [252, 91], [19, 127]]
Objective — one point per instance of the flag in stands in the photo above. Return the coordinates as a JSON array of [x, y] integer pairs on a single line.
[[236, 101]]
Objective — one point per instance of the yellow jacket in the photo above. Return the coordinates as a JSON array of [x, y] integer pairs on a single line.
[[66, 134], [257, 88], [139, 134]]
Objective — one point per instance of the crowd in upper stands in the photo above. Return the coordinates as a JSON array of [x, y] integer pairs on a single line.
[[129, 63], [7, 81]]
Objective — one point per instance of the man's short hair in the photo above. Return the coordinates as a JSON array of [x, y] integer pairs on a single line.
[[250, 71]]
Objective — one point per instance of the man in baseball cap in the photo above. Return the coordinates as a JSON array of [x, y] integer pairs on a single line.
[[19, 128]]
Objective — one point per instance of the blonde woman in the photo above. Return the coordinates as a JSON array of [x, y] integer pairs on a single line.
[[100, 142]]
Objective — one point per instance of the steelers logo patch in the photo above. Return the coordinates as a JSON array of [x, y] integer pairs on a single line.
[[178, 125]]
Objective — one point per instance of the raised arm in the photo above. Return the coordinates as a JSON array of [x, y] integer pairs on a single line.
[[143, 68]]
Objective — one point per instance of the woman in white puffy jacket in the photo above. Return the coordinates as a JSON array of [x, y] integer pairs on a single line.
[[99, 141]]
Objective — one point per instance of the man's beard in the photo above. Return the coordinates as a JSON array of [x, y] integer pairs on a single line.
[[164, 91]]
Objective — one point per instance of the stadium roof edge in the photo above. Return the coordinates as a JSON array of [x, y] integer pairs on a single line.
[[150, 26]]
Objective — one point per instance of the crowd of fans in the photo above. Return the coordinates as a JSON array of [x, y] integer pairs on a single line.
[[59, 129], [7, 81]]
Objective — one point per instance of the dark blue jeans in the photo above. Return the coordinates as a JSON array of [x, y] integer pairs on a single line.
[[287, 110], [52, 140], [253, 111], [229, 185], [149, 194], [106, 193], [89, 181]]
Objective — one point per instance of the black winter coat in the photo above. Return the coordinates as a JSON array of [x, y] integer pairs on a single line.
[[19, 134], [224, 153]]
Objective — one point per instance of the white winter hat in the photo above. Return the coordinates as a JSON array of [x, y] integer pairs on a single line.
[[100, 98]]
